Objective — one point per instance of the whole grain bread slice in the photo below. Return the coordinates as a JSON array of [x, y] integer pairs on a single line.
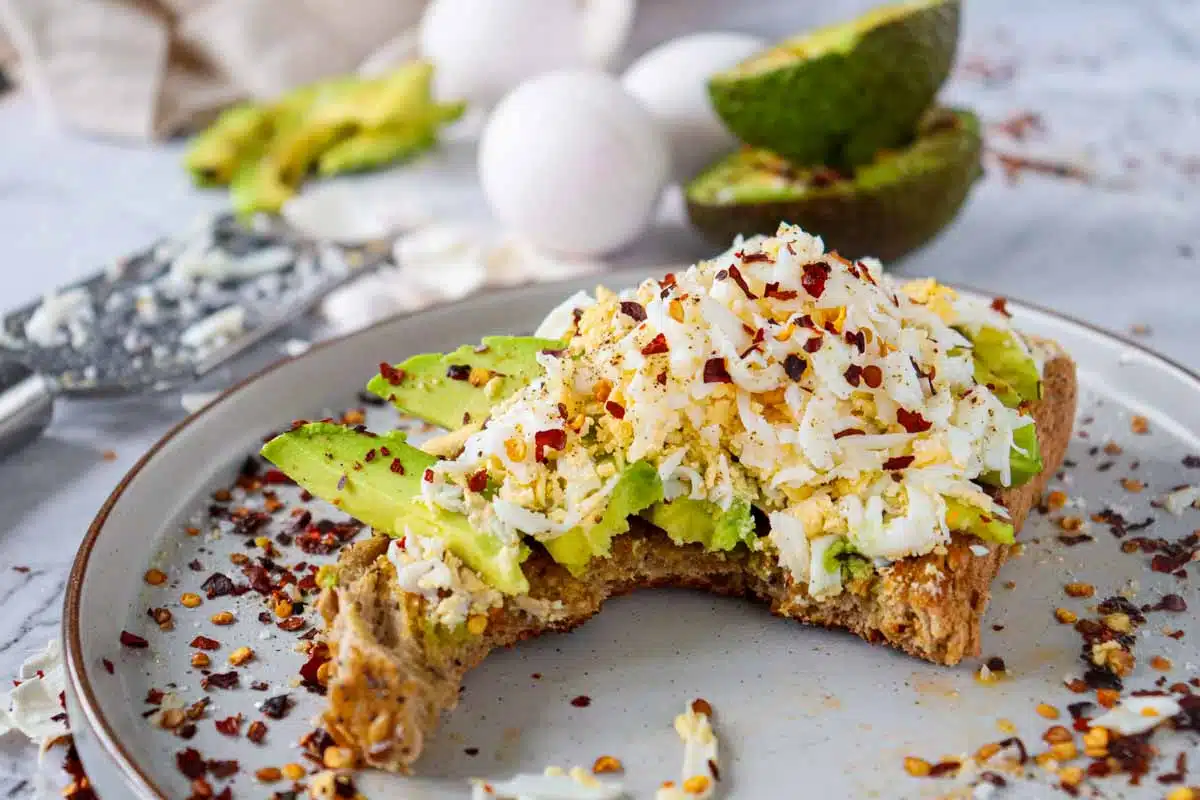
[[392, 678]]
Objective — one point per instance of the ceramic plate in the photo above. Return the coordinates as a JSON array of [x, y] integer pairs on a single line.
[[801, 712]]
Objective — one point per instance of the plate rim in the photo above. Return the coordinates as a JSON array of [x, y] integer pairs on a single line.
[[76, 668]]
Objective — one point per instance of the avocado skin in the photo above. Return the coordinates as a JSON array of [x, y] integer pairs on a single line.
[[426, 390], [839, 108], [886, 220]]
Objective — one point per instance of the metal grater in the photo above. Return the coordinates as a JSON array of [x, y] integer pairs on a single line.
[[159, 319]]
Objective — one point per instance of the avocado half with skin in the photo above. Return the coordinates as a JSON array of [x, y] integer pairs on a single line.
[[842, 93], [885, 209]]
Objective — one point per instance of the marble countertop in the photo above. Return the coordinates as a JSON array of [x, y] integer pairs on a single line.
[[1116, 85]]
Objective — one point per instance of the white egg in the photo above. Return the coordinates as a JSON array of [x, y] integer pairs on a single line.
[[573, 163], [671, 81], [483, 48]]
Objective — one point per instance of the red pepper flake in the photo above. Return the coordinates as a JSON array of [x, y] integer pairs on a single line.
[[277, 707], [292, 624], [715, 372], [912, 421], [391, 374], [736, 274], [318, 656], [218, 585], [223, 769], [370, 455], [257, 731], [477, 481], [396, 466], [750, 258], [633, 310], [857, 340], [853, 374], [872, 376], [848, 432], [132, 640], [229, 726], [813, 344], [656, 346], [154, 697], [274, 476], [814, 277], [190, 763], [428, 476], [661, 379], [108, 666], [221, 680], [458, 372], [897, 462], [616, 409], [721, 275], [1000, 304], [794, 366], [555, 439], [582, 701], [773, 290], [668, 279], [204, 643]]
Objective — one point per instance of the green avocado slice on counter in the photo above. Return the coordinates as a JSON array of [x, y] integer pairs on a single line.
[[841, 94], [455, 389], [638, 488], [349, 469], [885, 208]]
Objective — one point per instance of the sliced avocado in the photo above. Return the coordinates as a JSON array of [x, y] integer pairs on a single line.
[[348, 468], [1004, 366], [689, 521], [967, 518], [842, 555], [214, 156], [839, 95], [1024, 459], [638, 488], [455, 388], [885, 208]]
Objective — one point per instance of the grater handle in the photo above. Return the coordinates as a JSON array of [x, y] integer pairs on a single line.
[[26, 405]]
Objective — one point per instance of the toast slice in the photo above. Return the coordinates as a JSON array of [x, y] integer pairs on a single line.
[[391, 680]]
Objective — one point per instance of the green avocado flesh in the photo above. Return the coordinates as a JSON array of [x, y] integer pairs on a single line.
[[346, 467], [969, 519], [1003, 365], [638, 489], [701, 522], [263, 152], [841, 555], [839, 95], [884, 208], [439, 387]]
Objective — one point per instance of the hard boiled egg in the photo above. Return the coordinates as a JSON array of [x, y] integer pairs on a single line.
[[574, 163], [671, 81]]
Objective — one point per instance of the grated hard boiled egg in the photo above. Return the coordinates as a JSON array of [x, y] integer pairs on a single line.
[[573, 163], [671, 82]]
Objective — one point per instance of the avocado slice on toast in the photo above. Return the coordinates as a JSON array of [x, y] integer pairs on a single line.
[[840, 94], [885, 209]]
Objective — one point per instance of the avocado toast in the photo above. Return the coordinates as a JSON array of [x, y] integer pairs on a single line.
[[777, 422]]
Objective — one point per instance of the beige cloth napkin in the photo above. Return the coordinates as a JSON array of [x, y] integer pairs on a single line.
[[147, 69]]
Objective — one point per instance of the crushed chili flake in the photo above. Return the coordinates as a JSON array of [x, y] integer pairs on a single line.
[[853, 374], [898, 462], [814, 277], [912, 421], [392, 375], [477, 481], [218, 585], [204, 643], [221, 680], [848, 432], [582, 701], [554, 438], [656, 346], [222, 769], [458, 372], [794, 366], [736, 274], [277, 707], [132, 640], [191, 763], [715, 372], [257, 731], [633, 310], [1000, 304], [615, 409], [773, 290], [813, 344], [427, 476], [108, 666], [229, 726]]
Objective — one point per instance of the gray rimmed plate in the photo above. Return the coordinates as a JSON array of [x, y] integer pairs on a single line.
[[802, 712]]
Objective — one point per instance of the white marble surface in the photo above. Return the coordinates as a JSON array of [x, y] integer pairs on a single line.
[[1116, 82]]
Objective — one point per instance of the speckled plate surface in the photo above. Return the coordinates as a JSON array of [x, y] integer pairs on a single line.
[[801, 712]]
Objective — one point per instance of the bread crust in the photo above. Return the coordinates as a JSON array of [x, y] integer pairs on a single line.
[[392, 679]]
